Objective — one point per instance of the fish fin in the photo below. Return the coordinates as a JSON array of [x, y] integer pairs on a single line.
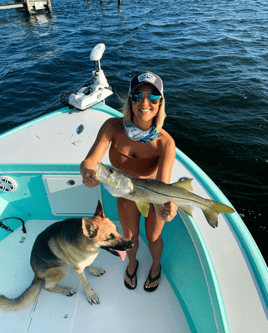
[[186, 184], [212, 213], [187, 210], [212, 217], [143, 207]]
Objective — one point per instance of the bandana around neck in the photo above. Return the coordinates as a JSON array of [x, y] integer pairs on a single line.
[[136, 134]]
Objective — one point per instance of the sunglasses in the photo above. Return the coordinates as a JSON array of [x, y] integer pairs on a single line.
[[138, 96]]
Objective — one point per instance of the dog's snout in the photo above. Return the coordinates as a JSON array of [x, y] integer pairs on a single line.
[[126, 245]]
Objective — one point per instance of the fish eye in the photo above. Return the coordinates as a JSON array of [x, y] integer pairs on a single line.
[[111, 170]]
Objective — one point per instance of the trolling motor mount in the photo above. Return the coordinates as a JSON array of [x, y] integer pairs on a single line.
[[99, 88]]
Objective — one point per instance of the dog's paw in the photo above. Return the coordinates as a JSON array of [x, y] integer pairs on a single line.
[[93, 298], [95, 271], [69, 292]]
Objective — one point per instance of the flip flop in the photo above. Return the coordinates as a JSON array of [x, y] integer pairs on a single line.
[[152, 280], [131, 277]]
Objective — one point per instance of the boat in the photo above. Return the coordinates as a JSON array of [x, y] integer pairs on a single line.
[[213, 280]]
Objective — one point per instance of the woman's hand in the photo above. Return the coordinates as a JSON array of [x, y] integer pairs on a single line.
[[166, 212], [88, 178]]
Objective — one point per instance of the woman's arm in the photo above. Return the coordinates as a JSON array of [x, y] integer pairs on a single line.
[[96, 153], [167, 211], [166, 160]]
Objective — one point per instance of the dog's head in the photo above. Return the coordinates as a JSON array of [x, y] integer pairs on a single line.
[[103, 234]]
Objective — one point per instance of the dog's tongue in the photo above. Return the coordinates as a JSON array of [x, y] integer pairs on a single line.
[[122, 254]]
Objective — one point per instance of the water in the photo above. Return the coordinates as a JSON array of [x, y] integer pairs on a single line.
[[212, 56]]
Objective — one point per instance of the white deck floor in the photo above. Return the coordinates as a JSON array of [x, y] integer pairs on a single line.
[[120, 309]]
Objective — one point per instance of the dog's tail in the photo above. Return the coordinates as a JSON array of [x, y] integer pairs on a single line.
[[23, 301]]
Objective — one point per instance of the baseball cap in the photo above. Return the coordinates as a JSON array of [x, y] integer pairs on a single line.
[[146, 77]]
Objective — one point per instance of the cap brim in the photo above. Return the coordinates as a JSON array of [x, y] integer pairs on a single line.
[[143, 83]]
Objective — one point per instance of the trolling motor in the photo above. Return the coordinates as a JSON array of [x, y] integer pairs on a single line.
[[95, 90]]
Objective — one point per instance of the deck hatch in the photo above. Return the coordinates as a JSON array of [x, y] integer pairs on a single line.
[[67, 195]]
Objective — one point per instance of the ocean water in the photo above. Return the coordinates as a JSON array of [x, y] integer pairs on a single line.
[[211, 55]]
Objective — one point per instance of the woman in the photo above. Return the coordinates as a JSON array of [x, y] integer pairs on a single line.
[[140, 147]]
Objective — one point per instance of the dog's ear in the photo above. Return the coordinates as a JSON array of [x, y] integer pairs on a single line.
[[99, 210], [89, 228]]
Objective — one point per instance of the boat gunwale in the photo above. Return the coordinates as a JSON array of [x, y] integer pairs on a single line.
[[249, 245]]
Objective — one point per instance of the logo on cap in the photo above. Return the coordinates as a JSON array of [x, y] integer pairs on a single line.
[[147, 77]]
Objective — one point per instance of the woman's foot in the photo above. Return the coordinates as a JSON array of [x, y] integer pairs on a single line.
[[131, 279], [152, 282]]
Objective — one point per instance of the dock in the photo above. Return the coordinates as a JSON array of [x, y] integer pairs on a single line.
[[30, 6]]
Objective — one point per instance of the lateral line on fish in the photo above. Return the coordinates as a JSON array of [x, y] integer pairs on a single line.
[[172, 196]]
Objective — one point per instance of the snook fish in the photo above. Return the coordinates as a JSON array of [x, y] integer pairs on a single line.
[[146, 191]]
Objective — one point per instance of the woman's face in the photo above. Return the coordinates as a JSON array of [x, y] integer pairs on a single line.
[[144, 111]]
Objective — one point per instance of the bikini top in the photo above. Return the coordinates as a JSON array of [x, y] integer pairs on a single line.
[[140, 166]]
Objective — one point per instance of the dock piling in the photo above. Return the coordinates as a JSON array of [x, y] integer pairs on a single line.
[[30, 6]]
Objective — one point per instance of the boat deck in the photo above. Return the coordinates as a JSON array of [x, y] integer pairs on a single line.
[[120, 309], [218, 275]]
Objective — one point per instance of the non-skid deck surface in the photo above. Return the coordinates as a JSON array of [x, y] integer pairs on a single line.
[[120, 309]]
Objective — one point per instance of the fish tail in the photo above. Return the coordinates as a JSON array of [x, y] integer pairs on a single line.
[[222, 208], [214, 210], [23, 301]]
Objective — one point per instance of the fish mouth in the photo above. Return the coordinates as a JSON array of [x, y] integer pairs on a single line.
[[113, 180], [103, 172], [97, 175], [105, 175], [100, 173]]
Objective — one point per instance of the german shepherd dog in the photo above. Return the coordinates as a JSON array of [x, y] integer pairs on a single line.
[[74, 242]]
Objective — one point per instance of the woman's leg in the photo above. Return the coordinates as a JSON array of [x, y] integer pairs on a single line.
[[154, 226], [130, 220]]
